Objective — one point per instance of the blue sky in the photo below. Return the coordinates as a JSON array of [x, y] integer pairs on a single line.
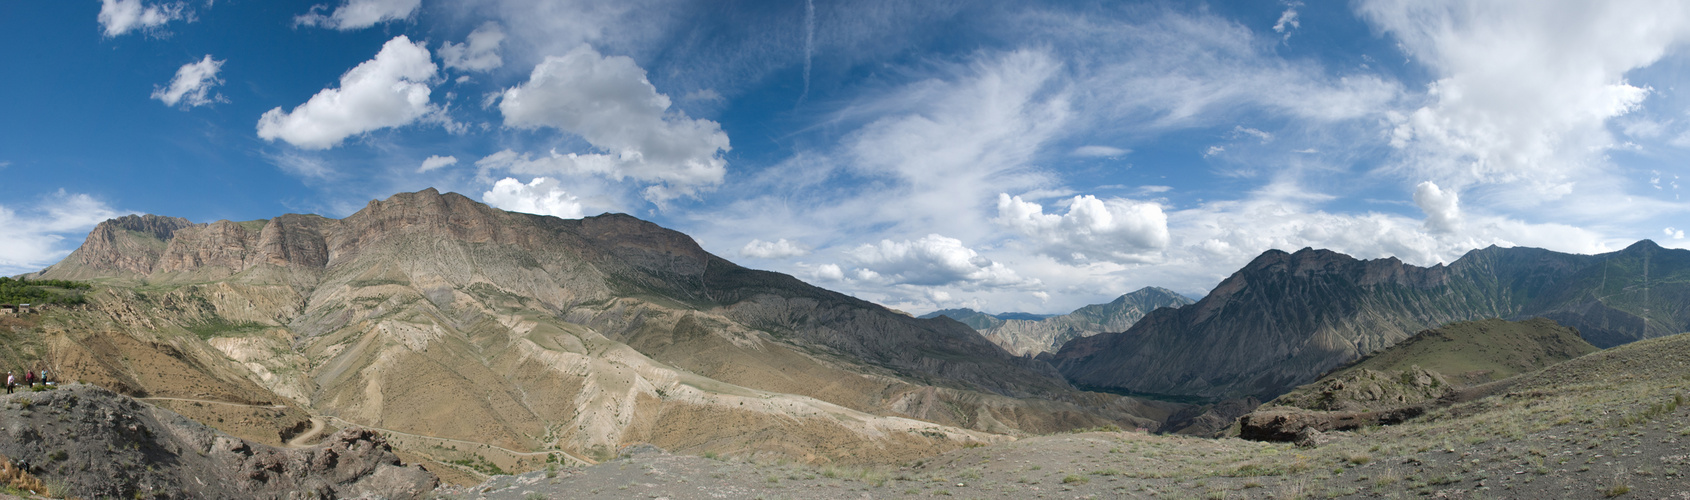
[[1004, 156]]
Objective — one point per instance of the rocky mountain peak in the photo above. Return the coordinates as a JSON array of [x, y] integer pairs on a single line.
[[1270, 258], [131, 243], [159, 227]]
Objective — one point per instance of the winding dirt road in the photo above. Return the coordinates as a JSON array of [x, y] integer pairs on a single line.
[[318, 423]]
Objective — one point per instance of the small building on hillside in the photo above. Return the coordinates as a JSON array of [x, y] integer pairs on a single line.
[[18, 309]]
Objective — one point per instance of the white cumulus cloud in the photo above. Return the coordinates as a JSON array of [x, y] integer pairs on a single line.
[[778, 249], [390, 90], [542, 196], [1442, 208], [192, 84], [932, 260], [1524, 87], [358, 14], [436, 161], [479, 52], [609, 102], [1113, 230], [829, 272], [1677, 234], [122, 16]]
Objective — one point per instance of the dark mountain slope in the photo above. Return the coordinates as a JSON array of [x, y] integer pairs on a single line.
[[1286, 318]]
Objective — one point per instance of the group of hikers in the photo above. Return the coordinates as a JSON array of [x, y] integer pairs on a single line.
[[30, 380]]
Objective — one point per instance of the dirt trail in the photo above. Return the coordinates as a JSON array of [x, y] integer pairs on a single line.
[[489, 445], [309, 437], [318, 423], [190, 400]]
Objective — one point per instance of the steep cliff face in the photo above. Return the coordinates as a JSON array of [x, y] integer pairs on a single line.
[[1286, 318], [432, 314], [129, 244], [1034, 337]]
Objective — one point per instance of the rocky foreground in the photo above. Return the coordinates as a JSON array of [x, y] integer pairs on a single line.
[[86, 442]]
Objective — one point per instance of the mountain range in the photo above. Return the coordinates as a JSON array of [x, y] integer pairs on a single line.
[[1030, 335], [441, 320], [433, 315], [1286, 318]]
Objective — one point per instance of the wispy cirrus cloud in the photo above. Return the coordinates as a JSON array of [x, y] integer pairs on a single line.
[[358, 14], [38, 234]]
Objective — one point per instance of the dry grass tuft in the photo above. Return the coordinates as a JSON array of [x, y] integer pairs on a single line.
[[13, 477]]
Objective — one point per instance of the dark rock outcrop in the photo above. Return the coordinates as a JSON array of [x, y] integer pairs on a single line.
[[98, 444], [1293, 426]]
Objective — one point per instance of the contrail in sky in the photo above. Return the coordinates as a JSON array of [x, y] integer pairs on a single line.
[[809, 44]]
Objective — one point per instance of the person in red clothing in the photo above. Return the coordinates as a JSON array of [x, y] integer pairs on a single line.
[[29, 378]]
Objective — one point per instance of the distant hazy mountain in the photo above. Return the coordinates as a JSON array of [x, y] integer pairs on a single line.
[[436, 315], [1027, 334], [1286, 318], [974, 319], [1023, 316]]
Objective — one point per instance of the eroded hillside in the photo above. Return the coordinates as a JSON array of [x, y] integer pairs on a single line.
[[1605, 425], [439, 317]]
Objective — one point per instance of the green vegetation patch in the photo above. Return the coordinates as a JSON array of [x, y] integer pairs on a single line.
[[377, 282], [254, 226], [27, 291], [480, 464], [1483, 350]]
